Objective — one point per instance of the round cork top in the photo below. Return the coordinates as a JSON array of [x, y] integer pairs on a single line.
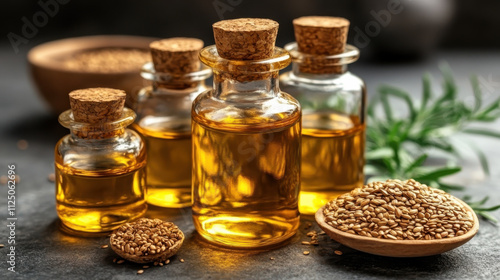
[[176, 55], [97, 105], [321, 35], [245, 38]]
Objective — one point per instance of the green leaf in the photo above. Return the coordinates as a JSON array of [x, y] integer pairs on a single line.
[[478, 95], [392, 91], [482, 158], [380, 153], [448, 187], [484, 132], [487, 216], [418, 162], [427, 91], [490, 209], [438, 173]]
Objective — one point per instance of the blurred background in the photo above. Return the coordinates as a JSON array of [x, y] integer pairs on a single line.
[[419, 26], [399, 40]]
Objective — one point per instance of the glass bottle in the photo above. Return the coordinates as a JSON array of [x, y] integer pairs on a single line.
[[164, 121], [246, 148], [100, 174], [333, 122]]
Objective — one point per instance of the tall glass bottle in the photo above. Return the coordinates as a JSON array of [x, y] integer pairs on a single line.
[[246, 140], [164, 118], [100, 176], [333, 104]]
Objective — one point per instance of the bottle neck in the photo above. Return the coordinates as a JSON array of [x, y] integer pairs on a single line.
[[305, 70], [177, 85], [321, 67], [245, 86], [97, 131], [170, 81]]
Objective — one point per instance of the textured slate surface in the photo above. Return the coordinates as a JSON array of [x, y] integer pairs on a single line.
[[43, 251]]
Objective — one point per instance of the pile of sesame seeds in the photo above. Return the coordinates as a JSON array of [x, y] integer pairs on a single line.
[[146, 237], [399, 210]]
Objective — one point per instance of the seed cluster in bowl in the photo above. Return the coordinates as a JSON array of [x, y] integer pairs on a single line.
[[107, 60], [146, 237], [403, 210]]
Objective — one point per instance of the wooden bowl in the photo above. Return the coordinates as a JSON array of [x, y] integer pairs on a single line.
[[397, 248], [54, 81]]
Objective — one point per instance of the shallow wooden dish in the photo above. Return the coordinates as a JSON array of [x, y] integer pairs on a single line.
[[397, 248], [54, 81]]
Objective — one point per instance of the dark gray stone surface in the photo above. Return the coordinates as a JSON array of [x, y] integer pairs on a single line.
[[44, 251]]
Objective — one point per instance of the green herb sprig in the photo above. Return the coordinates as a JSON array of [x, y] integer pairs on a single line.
[[398, 146]]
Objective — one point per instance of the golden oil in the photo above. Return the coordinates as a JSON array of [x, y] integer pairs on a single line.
[[98, 202], [169, 163], [245, 182], [333, 147]]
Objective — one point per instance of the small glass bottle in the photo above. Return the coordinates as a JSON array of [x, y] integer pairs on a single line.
[[164, 118], [100, 174], [246, 141], [333, 103]]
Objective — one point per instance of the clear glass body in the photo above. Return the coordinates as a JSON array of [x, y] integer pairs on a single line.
[[164, 121], [100, 182], [246, 154], [333, 125]]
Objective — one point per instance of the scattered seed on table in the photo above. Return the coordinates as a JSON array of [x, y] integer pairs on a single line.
[[22, 144], [306, 253], [181, 260], [337, 252], [146, 266], [120, 261], [1, 245], [160, 264], [312, 233], [306, 243], [114, 260], [167, 261], [271, 258], [104, 246], [140, 271], [51, 177]]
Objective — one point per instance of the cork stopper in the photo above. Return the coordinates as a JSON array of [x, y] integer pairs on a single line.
[[245, 38], [97, 105], [176, 56], [321, 35]]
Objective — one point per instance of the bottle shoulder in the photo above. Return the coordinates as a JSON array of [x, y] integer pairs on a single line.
[[121, 153], [162, 109], [327, 83], [255, 112]]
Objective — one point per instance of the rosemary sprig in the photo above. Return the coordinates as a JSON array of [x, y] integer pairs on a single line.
[[398, 146]]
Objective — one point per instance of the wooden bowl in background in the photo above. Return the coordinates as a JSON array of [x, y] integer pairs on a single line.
[[54, 81]]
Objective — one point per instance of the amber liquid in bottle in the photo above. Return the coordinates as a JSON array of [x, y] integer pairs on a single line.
[[245, 181], [169, 161], [98, 201], [333, 147]]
